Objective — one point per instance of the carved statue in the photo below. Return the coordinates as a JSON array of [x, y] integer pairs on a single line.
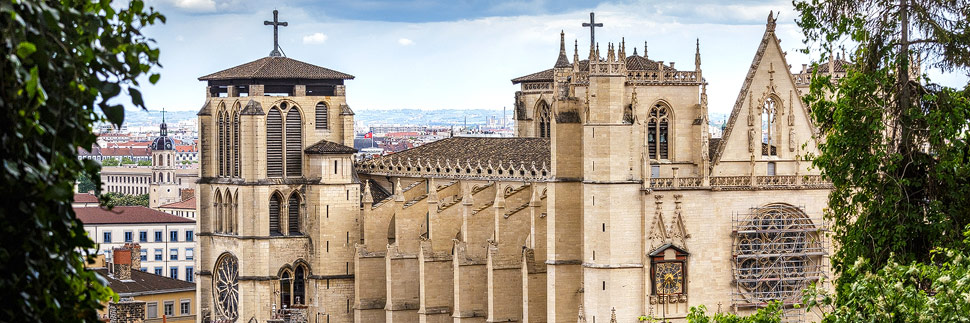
[[791, 139], [705, 149], [751, 139]]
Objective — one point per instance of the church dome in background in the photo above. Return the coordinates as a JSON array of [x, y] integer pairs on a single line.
[[163, 142]]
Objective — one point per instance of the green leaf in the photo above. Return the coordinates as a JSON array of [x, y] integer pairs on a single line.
[[25, 48], [136, 98], [114, 113], [154, 78], [109, 90]]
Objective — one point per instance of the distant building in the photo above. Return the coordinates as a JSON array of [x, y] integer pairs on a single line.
[[143, 296], [189, 153], [185, 209], [137, 180], [85, 200], [167, 241]]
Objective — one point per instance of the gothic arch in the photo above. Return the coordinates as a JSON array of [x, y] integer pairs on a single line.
[[220, 220], [294, 214], [229, 213], [770, 108], [321, 115], [274, 142], [235, 140], [300, 274], [275, 210], [543, 117], [659, 131], [225, 286]]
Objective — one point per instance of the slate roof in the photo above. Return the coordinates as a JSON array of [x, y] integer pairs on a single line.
[[633, 63], [494, 150], [188, 204], [126, 215], [324, 147], [144, 283], [839, 63], [277, 68]]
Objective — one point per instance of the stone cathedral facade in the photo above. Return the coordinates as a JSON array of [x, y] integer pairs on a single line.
[[612, 202]]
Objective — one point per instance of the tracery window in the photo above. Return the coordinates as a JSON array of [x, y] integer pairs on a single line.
[[274, 215], [542, 120], [226, 287], [768, 128], [658, 131], [322, 116]]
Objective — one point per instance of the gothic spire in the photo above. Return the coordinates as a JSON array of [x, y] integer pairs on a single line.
[[645, 50], [562, 61]]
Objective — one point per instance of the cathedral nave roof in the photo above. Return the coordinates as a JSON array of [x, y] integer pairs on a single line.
[[277, 68]]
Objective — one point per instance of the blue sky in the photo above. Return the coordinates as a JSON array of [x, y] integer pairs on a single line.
[[434, 54]]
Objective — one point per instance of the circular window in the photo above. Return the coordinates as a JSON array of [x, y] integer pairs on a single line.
[[226, 286]]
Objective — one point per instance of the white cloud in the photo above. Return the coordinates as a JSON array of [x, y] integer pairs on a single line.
[[179, 38], [405, 42], [315, 38], [196, 5]]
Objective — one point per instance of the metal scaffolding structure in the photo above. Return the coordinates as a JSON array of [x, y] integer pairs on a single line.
[[778, 250]]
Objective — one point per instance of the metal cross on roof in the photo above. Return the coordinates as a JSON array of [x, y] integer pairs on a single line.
[[276, 23], [592, 32]]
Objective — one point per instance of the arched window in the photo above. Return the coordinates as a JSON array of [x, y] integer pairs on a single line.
[[657, 131], [220, 220], [285, 289], [226, 149], [768, 132], [293, 215], [222, 145], [274, 143], [299, 285], [230, 213], [294, 143], [235, 144], [542, 120], [274, 215], [322, 117]]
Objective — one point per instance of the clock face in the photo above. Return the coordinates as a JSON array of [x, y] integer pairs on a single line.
[[669, 278]]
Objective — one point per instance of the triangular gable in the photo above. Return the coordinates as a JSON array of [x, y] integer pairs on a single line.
[[770, 45]]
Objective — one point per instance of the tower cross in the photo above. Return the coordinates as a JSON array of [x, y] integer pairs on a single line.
[[276, 23], [592, 32]]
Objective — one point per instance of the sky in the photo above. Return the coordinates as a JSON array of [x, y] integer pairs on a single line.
[[437, 54]]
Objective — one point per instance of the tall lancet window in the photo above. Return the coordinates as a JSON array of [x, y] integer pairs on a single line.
[[274, 215], [221, 155], [274, 143], [220, 210], [294, 142], [285, 289], [322, 116], [293, 215], [658, 131], [768, 128], [299, 285], [542, 120], [235, 144]]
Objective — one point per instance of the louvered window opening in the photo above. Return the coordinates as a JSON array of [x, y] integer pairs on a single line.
[[274, 216], [293, 215], [222, 145], [322, 116], [235, 144], [274, 143], [294, 143]]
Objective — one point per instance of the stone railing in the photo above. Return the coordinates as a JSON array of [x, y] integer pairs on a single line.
[[779, 181], [455, 169], [536, 86]]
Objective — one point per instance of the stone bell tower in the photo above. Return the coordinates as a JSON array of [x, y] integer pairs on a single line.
[[278, 199], [163, 188]]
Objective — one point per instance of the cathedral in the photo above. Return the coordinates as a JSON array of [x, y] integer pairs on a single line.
[[612, 204]]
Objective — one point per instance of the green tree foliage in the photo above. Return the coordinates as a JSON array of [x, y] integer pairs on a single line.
[[127, 161], [63, 63], [936, 292], [117, 199], [894, 146], [84, 183], [698, 314], [144, 163], [110, 162]]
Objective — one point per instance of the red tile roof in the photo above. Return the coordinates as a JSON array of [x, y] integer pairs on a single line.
[[125, 215], [187, 204], [85, 198], [186, 148]]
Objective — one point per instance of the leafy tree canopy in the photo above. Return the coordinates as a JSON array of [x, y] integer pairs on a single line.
[[110, 162], [63, 63]]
